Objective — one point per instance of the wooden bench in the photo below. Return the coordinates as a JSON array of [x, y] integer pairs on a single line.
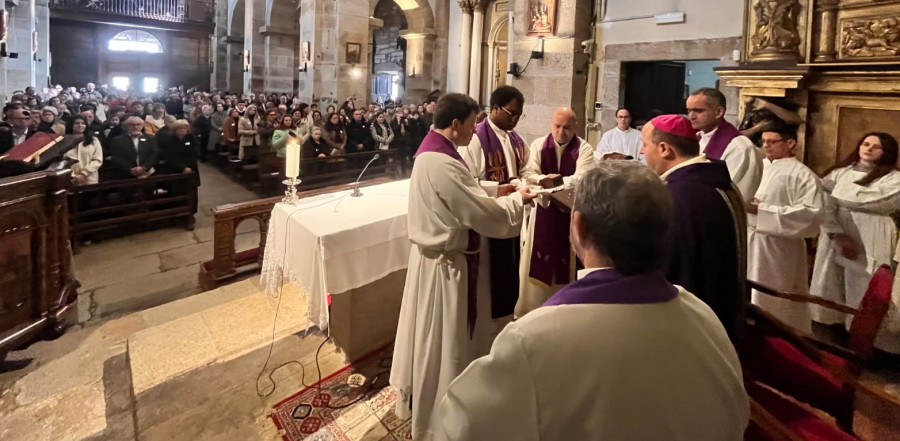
[[123, 204], [228, 264]]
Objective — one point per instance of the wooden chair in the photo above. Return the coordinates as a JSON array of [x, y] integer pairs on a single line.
[[820, 374]]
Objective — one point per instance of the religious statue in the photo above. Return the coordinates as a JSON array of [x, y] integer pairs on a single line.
[[776, 26], [762, 114]]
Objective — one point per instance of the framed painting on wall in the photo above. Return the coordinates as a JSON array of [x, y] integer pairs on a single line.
[[353, 53], [304, 52], [541, 18]]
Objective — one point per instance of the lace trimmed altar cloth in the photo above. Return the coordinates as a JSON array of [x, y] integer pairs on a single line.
[[333, 243]]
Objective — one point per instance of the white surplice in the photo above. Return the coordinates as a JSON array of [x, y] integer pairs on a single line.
[[626, 142], [744, 161], [790, 210], [863, 214], [652, 372], [473, 154], [433, 345], [533, 293]]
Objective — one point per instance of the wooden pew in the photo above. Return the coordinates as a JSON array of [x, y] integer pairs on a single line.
[[38, 290], [227, 263], [119, 204]]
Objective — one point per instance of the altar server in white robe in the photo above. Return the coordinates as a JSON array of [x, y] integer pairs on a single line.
[[546, 264], [858, 234], [787, 209], [620, 354], [444, 309], [720, 140], [621, 141]]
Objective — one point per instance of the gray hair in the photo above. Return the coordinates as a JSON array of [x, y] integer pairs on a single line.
[[627, 211]]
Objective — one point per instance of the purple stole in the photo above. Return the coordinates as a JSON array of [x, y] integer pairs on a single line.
[[720, 140], [609, 286], [437, 143], [495, 167], [551, 248]]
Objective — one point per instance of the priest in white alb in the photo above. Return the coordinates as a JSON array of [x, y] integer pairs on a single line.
[[445, 301], [497, 153], [619, 354], [621, 141], [786, 209], [559, 159]]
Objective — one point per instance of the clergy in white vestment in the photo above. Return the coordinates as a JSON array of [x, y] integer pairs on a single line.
[[620, 142], [787, 209], [546, 264], [620, 354], [445, 302], [722, 141], [497, 153], [858, 234]]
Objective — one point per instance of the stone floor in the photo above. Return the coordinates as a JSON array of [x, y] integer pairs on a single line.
[[144, 270]]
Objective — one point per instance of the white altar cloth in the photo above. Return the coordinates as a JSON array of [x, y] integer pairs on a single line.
[[336, 243]]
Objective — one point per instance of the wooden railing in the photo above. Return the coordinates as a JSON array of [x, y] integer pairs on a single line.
[[177, 11]]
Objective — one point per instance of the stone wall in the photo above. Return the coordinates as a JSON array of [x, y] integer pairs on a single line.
[[559, 79], [80, 55], [28, 68], [389, 55]]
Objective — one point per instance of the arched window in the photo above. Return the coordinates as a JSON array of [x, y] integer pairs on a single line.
[[134, 40]]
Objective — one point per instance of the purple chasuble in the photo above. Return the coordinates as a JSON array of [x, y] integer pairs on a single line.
[[437, 143], [720, 140], [495, 167], [609, 286], [551, 248]]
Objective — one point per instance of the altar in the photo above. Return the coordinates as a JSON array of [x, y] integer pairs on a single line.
[[349, 255]]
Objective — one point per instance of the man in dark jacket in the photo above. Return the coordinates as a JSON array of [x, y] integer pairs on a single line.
[[359, 136], [134, 154], [201, 128]]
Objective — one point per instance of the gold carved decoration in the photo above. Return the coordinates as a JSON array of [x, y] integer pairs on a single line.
[[775, 34], [874, 37]]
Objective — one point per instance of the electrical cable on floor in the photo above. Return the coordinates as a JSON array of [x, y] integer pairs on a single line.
[[260, 394]]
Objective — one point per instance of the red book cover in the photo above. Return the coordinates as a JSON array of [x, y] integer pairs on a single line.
[[37, 144]]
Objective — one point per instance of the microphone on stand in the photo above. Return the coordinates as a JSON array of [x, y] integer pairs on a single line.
[[356, 193]]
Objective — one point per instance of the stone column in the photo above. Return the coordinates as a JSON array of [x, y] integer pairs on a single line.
[[20, 70], [219, 76], [419, 53], [374, 25], [475, 64], [254, 41], [826, 46], [352, 28], [465, 51], [42, 57], [234, 63]]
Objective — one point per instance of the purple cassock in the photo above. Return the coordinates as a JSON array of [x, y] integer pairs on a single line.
[[704, 257], [609, 286], [504, 254], [550, 262], [725, 133]]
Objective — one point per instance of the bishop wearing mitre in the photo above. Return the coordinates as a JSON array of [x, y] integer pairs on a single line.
[[446, 304], [557, 160]]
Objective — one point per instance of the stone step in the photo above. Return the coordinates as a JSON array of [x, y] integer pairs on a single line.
[[212, 327]]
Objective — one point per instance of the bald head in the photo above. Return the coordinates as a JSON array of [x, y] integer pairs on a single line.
[[563, 125]]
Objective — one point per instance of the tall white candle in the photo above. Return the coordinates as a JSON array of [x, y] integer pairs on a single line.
[[292, 161]]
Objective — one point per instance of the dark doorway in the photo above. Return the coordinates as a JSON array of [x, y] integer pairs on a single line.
[[653, 86]]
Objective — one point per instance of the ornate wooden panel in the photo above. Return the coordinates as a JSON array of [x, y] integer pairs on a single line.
[[871, 37]]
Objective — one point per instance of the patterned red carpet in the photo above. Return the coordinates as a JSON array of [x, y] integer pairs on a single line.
[[353, 404]]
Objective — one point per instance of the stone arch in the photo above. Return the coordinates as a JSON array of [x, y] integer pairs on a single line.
[[283, 14], [419, 15], [236, 17], [497, 57]]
